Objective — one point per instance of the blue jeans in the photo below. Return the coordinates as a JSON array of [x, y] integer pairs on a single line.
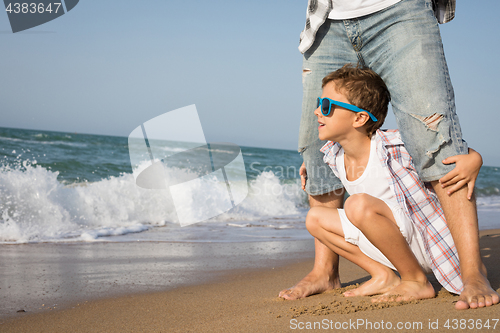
[[403, 45]]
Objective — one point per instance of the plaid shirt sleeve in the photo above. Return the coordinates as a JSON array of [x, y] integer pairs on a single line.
[[444, 10], [424, 209], [318, 11]]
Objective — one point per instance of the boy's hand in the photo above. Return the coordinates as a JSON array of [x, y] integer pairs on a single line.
[[303, 175], [465, 172]]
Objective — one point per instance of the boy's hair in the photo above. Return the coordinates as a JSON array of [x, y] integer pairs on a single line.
[[363, 88]]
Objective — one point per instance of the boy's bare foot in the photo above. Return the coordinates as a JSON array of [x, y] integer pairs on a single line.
[[310, 285], [376, 285], [477, 294], [407, 291]]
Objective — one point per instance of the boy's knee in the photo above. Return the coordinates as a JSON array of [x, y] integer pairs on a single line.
[[358, 209]]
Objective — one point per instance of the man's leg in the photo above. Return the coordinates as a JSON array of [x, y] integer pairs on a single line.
[[461, 216], [330, 51], [404, 46]]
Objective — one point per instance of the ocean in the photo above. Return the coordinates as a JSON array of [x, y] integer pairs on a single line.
[[70, 187]]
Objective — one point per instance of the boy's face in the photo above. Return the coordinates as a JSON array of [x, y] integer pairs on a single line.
[[339, 121]]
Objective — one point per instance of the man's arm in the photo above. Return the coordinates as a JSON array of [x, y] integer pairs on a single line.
[[303, 175], [465, 173]]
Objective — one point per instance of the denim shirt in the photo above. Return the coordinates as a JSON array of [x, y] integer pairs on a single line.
[[419, 202], [318, 11]]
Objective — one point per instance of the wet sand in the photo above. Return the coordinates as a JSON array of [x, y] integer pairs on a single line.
[[238, 299], [35, 277]]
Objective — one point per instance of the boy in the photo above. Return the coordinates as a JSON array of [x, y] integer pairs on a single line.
[[391, 221]]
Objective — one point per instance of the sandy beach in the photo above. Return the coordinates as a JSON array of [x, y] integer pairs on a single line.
[[222, 295]]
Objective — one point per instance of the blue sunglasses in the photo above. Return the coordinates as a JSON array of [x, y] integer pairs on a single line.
[[326, 107]]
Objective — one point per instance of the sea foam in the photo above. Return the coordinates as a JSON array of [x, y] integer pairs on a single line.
[[36, 207]]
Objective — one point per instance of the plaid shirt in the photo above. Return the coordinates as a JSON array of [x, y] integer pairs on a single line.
[[318, 11], [419, 202]]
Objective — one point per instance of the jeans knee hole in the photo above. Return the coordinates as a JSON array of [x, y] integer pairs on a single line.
[[431, 122]]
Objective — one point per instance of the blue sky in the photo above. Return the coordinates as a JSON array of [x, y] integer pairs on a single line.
[[107, 66]]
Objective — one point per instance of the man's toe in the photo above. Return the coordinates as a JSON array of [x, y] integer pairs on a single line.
[[481, 301], [462, 305], [495, 299], [473, 302]]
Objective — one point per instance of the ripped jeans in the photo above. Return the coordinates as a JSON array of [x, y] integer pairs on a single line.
[[402, 43]]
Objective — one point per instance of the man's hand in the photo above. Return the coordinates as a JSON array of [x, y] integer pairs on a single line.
[[465, 173], [303, 175]]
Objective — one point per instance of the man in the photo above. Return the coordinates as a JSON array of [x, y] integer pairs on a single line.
[[400, 40]]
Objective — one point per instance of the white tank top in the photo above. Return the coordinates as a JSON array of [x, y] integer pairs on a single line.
[[348, 9], [373, 181]]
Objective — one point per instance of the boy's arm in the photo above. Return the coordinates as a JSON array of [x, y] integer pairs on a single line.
[[465, 172]]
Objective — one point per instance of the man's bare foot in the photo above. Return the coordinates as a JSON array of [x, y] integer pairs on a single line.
[[376, 285], [477, 294], [310, 285], [407, 291]]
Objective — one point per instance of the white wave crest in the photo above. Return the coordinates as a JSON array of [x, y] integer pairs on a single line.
[[36, 207]]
